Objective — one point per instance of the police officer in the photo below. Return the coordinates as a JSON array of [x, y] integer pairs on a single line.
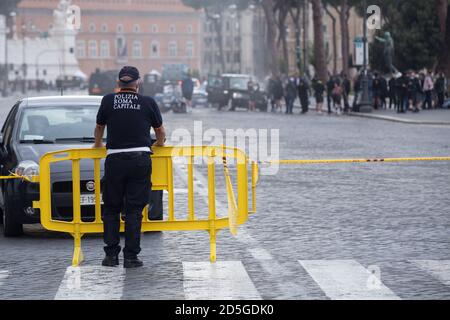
[[128, 118]]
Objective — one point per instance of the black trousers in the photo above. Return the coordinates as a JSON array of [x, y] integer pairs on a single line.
[[126, 189], [428, 100], [441, 99], [156, 209]]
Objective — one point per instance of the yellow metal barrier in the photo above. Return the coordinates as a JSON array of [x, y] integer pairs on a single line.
[[162, 179]]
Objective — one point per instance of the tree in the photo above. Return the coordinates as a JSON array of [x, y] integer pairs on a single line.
[[343, 8], [443, 7], [333, 20], [319, 46], [418, 31], [295, 10], [281, 10], [268, 7]]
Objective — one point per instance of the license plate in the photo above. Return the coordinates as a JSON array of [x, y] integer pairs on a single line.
[[88, 199]]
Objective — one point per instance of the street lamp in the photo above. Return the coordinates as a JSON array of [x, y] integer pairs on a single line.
[[8, 31], [365, 105], [24, 64]]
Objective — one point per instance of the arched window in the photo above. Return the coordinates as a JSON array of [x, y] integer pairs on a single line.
[[173, 48], [81, 49], [137, 49], [190, 49], [154, 49], [92, 27], [93, 52], [104, 49]]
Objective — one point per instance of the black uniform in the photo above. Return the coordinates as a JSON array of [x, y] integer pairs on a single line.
[[330, 86], [319, 89], [392, 93], [128, 117], [440, 90], [346, 86], [303, 95]]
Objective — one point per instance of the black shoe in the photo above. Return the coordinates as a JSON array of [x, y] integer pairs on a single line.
[[132, 263], [110, 261]]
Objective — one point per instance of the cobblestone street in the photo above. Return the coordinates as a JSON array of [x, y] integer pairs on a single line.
[[321, 231]]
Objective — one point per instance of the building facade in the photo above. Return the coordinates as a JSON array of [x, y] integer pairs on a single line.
[[243, 40], [143, 33]]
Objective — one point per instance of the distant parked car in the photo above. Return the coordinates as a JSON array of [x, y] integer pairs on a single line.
[[231, 90], [103, 82], [200, 97]]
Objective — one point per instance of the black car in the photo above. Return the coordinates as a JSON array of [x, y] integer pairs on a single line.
[[231, 90], [151, 85], [103, 82], [35, 126]]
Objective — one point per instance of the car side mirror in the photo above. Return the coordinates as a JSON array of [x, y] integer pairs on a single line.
[[1, 138]]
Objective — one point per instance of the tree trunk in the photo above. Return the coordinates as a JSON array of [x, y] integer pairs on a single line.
[[282, 35], [319, 47], [444, 60], [442, 13], [343, 18], [218, 29], [333, 19], [296, 20], [217, 23], [271, 37]]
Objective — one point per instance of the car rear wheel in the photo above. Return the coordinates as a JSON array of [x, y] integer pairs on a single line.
[[11, 228]]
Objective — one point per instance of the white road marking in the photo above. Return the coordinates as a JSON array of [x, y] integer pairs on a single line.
[[347, 279], [3, 275], [439, 269], [177, 190], [92, 283], [223, 280], [265, 259], [260, 254]]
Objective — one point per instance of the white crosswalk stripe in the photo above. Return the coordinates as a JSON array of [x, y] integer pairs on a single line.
[[223, 280], [3, 275], [229, 280], [91, 283], [347, 279], [438, 269]]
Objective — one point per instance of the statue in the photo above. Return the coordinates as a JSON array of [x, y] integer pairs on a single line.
[[61, 14], [388, 51]]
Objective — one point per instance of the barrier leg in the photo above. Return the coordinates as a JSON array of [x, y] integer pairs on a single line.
[[212, 243], [78, 256]]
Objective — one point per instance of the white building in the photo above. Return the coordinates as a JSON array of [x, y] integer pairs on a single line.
[[39, 58], [243, 34]]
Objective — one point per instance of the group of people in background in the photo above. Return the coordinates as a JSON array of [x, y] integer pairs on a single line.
[[411, 91], [337, 90]]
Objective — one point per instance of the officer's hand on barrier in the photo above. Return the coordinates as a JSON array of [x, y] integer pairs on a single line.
[[95, 146], [156, 144]]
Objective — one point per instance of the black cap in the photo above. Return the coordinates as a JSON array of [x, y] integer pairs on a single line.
[[128, 74]]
